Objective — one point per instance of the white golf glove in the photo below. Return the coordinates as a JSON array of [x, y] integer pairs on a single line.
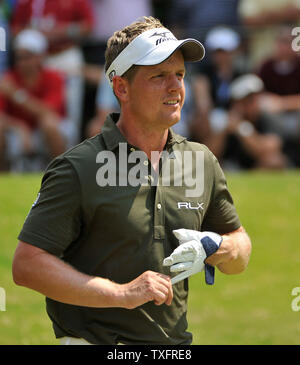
[[188, 258]]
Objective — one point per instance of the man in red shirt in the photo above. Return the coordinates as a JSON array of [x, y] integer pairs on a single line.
[[32, 125], [65, 23]]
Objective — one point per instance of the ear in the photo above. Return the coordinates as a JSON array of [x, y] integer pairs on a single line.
[[120, 86]]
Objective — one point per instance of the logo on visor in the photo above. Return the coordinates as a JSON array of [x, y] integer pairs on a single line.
[[163, 37], [111, 75]]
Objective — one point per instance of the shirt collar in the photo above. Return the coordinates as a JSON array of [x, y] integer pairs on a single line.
[[113, 136]]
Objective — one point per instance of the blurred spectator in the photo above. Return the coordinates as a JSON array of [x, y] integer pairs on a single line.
[[194, 18], [281, 76], [64, 23], [242, 138], [262, 19], [110, 16], [211, 82], [106, 103], [162, 10], [32, 125]]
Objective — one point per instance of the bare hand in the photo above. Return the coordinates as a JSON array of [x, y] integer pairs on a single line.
[[7, 87], [271, 103], [149, 286]]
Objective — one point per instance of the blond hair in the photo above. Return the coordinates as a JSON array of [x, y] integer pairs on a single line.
[[120, 39]]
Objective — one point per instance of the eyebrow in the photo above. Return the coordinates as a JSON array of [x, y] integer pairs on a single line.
[[166, 71]]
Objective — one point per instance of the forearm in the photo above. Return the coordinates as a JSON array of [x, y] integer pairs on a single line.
[[45, 273], [290, 102], [233, 254], [23, 99], [58, 280], [11, 122], [273, 16]]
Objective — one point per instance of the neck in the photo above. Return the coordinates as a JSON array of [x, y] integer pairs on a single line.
[[144, 137]]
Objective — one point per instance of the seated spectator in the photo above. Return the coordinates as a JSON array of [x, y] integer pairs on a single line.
[[281, 76], [32, 125], [242, 138], [65, 24], [194, 18], [106, 103], [211, 83], [262, 19], [125, 12]]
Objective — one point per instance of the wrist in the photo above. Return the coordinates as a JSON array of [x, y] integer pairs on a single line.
[[20, 96], [245, 129]]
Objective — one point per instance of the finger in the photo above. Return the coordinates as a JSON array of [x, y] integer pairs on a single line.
[[170, 294], [161, 295], [164, 292], [180, 234], [182, 266], [179, 256], [184, 235]]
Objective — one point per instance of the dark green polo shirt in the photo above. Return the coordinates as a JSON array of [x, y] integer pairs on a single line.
[[119, 231]]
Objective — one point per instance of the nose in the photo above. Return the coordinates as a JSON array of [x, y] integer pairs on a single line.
[[175, 83]]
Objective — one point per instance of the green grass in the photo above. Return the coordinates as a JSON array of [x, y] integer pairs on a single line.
[[251, 308]]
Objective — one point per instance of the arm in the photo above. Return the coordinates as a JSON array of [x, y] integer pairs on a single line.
[[287, 13], [200, 127], [234, 253], [43, 272], [22, 98]]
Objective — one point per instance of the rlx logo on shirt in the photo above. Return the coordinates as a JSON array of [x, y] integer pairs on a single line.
[[189, 205]]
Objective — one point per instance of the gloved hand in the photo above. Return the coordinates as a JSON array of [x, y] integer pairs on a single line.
[[188, 258]]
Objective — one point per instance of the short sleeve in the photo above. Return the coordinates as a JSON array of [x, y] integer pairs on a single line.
[[221, 215], [54, 220]]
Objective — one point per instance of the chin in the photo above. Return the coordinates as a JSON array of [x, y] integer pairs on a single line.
[[174, 120]]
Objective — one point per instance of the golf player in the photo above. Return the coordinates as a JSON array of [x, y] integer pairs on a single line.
[[112, 256]]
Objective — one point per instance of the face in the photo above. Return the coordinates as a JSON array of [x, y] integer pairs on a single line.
[[220, 57], [250, 106], [27, 62], [283, 48], [156, 93]]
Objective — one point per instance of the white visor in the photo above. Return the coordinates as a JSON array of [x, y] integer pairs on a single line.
[[151, 48]]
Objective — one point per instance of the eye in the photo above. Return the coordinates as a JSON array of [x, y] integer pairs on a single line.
[[157, 76]]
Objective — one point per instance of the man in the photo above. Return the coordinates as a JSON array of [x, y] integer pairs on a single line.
[[244, 137], [32, 119], [280, 73], [211, 81], [64, 24], [98, 251]]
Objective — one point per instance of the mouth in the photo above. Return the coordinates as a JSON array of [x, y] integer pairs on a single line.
[[172, 102]]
